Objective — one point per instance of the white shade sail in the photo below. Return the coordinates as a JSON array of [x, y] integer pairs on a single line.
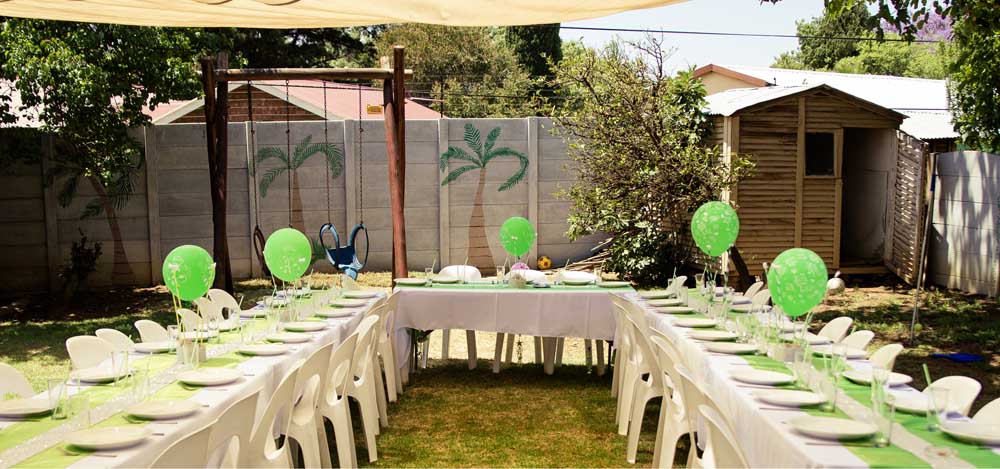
[[319, 13]]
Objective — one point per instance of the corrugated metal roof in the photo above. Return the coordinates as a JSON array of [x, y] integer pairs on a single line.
[[729, 102], [929, 125]]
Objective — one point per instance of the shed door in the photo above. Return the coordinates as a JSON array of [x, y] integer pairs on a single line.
[[907, 207]]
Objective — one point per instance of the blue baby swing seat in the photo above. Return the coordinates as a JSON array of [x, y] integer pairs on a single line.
[[345, 258]]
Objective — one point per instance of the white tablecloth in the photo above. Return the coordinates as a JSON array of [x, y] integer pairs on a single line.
[[582, 313], [264, 373]]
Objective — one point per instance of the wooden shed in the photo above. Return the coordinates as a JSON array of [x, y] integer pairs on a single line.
[[833, 174]]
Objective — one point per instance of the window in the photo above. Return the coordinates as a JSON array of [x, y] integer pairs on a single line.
[[819, 154]]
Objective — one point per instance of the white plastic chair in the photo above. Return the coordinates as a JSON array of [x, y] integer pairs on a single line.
[[858, 339], [119, 340], [231, 433], [617, 310], [13, 382], [756, 287], [721, 449], [962, 392], [262, 450], [224, 300], [150, 331], [465, 273], [387, 346], [349, 283], [836, 329], [88, 351], [190, 451], [692, 397], [334, 406], [886, 356], [209, 309], [758, 302], [989, 414], [673, 423], [645, 390], [381, 398], [677, 284], [190, 320], [362, 386], [304, 426]]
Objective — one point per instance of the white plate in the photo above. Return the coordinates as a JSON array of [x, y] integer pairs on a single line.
[[740, 300], [911, 403], [228, 325], [613, 284], [302, 292], [108, 438], [764, 377], [163, 410], [411, 281], [865, 377], [577, 281], [155, 347], [97, 375], [444, 279], [21, 408], [811, 338], [347, 303], [264, 350], [973, 432], [730, 347], [305, 326], [791, 327], [695, 322], [210, 376], [276, 302], [712, 335], [832, 428], [665, 302], [253, 313], [360, 294], [789, 398], [827, 350], [655, 294], [289, 337], [674, 309], [336, 312]]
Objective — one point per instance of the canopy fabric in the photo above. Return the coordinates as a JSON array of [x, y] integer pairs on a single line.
[[319, 13]]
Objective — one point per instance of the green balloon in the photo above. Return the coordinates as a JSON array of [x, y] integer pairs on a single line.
[[797, 281], [517, 236], [188, 272], [715, 227], [287, 254]]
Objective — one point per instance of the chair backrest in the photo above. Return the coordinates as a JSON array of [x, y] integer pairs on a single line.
[[667, 357], [12, 381], [721, 449], [209, 309], [691, 396], [989, 414], [760, 299], [677, 284], [190, 320], [645, 351], [886, 355], [836, 329], [87, 351], [118, 340], [753, 289], [362, 357], [190, 451], [312, 379], [151, 331], [224, 300], [858, 339], [231, 432], [339, 372], [263, 446], [962, 392], [463, 272], [349, 283]]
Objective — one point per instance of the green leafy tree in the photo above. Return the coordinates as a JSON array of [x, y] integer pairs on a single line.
[[481, 156], [817, 53], [88, 84], [898, 59], [316, 47], [304, 150], [537, 47], [636, 136]]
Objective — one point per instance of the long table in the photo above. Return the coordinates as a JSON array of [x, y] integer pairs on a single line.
[[769, 442], [38, 442]]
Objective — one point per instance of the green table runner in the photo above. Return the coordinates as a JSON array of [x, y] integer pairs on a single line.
[[490, 286]]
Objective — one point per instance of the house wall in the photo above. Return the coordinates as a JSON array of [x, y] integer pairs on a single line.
[[716, 82], [266, 108]]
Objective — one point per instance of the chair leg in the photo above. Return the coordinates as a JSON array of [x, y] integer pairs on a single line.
[[424, 356], [470, 341], [616, 375], [369, 423], [325, 457], [389, 364], [625, 399], [635, 426], [599, 348], [445, 340], [510, 348], [538, 350], [498, 352], [380, 398]]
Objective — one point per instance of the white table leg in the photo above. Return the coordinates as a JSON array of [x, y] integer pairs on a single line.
[[538, 350], [498, 353], [599, 348], [549, 350], [559, 350], [510, 348], [445, 340], [588, 352], [470, 340], [427, 351]]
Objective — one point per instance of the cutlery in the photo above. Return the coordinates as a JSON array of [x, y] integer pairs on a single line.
[[70, 452]]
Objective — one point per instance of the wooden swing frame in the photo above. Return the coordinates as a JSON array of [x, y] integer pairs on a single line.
[[215, 76]]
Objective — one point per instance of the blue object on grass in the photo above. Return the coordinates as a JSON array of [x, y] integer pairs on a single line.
[[959, 357]]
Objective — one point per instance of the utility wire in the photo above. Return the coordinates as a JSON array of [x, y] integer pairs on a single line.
[[721, 33]]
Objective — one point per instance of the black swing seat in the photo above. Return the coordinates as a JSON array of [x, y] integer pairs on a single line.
[[345, 258]]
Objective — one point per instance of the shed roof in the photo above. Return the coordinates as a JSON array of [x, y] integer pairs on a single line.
[[732, 101]]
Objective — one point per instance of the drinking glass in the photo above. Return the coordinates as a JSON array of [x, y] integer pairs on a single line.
[[828, 387], [246, 333], [597, 274], [792, 357], [885, 412], [428, 273], [880, 377], [79, 410], [937, 407], [140, 384], [213, 327], [119, 365], [57, 398], [699, 281]]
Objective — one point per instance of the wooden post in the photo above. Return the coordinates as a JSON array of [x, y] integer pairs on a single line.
[[444, 202], [532, 123], [216, 126], [51, 204], [394, 138]]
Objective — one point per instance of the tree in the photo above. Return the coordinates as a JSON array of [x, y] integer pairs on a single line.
[[319, 47], [898, 59], [482, 154], [89, 84], [818, 53], [536, 47], [636, 136], [303, 151]]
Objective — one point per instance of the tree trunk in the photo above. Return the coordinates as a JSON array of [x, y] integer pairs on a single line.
[[745, 279], [479, 246], [296, 219], [121, 271]]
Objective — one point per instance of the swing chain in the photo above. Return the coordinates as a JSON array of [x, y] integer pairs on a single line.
[[361, 162], [288, 148], [326, 150]]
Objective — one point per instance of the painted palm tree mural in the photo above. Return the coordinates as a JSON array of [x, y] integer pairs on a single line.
[[304, 150], [482, 154]]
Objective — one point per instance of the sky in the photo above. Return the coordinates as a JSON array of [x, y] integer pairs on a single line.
[[744, 16]]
